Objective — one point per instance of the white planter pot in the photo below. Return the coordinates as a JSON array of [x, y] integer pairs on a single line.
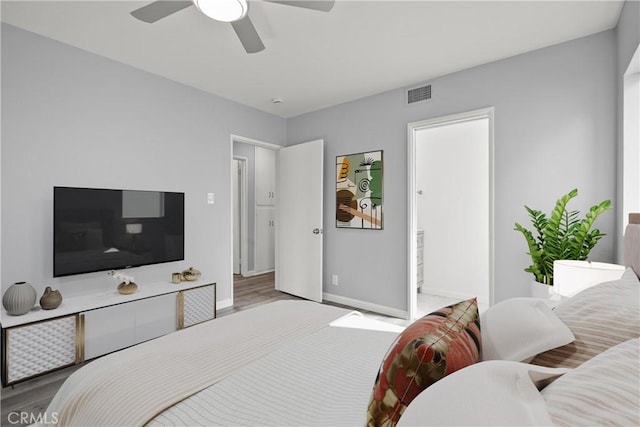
[[540, 290]]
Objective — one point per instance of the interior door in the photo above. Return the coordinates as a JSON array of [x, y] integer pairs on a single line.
[[299, 220]]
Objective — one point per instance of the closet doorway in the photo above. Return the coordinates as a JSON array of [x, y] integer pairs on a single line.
[[451, 208]]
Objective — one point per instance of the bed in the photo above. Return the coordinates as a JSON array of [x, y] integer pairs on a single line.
[[299, 363]]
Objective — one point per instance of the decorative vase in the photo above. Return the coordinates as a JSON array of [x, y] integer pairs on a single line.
[[191, 274], [540, 290], [127, 288], [19, 298], [50, 299]]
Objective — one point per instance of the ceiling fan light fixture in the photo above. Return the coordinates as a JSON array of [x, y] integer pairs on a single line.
[[223, 10]]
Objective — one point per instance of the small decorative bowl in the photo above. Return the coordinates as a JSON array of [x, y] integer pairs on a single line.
[[191, 274], [127, 288]]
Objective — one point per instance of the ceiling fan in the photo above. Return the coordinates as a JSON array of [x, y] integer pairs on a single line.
[[233, 11]]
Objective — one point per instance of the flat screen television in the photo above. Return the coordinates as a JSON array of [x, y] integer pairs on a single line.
[[103, 229]]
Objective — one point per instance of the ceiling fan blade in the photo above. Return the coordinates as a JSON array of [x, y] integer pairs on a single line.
[[159, 9], [321, 5], [248, 35]]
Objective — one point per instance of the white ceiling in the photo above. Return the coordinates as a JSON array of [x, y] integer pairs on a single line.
[[315, 59]]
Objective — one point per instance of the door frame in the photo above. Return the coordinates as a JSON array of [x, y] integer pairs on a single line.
[[243, 139], [244, 224], [412, 226], [628, 177]]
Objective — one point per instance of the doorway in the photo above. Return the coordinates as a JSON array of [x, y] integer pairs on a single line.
[[451, 208], [253, 207], [290, 206]]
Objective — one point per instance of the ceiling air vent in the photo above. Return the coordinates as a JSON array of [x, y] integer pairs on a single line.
[[422, 93]]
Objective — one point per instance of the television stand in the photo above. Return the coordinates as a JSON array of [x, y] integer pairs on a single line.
[[89, 326]]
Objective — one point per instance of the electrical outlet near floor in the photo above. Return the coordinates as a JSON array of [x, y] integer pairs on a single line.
[[334, 280]]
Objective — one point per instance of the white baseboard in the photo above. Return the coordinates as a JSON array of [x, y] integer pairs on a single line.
[[449, 294], [224, 303], [364, 305], [251, 273]]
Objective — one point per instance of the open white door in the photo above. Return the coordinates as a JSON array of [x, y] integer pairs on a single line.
[[299, 220]]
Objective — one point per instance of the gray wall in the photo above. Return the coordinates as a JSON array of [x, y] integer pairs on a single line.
[[72, 118], [627, 41], [555, 129]]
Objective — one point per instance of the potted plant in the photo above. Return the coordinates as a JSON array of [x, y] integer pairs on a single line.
[[562, 235]]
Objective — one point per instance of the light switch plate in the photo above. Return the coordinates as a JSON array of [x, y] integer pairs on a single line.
[[210, 198]]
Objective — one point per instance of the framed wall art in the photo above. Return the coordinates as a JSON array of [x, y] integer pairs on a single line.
[[359, 191]]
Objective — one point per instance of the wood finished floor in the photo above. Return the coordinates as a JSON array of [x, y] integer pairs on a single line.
[[31, 398]]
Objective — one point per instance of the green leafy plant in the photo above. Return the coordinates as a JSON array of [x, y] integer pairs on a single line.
[[562, 235]]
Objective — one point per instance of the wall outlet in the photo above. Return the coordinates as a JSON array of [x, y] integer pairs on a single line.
[[210, 198], [334, 280]]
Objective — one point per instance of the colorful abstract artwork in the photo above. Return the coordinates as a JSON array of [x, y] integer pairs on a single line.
[[359, 191]]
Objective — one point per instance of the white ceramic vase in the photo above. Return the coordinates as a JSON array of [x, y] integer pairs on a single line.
[[540, 290], [19, 299]]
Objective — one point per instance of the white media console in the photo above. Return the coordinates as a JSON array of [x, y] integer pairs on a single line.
[[85, 327]]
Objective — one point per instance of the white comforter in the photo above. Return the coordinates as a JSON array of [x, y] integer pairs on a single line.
[[132, 386], [323, 379]]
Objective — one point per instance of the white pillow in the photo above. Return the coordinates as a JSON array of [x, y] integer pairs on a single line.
[[603, 391], [600, 317], [493, 393], [519, 328]]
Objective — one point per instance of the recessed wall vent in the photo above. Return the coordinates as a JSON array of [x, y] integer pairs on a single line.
[[422, 93]]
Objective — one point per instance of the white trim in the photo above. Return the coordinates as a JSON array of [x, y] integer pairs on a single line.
[[630, 148], [412, 227], [450, 294], [252, 141], [364, 305], [257, 273], [224, 303], [251, 273]]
